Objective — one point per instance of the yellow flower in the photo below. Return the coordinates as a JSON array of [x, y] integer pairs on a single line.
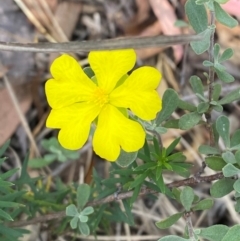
[[76, 101]]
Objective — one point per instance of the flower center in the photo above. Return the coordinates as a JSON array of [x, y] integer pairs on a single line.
[[100, 97]]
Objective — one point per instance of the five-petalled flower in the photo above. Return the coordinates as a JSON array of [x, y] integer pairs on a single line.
[[77, 101]]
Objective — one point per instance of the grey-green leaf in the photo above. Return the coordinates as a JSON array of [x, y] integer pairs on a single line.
[[203, 205], [168, 222], [217, 88], [189, 120], [230, 97], [200, 47], [224, 17], [224, 76], [222, 126], [83, 193], [230, 170], [222, 187], [197, 16], [202, 107], [71, 210], [173, 238], [87, 211], [74, 222], [233, 234], [214, 233], [227, 54], [229, 157], [236, 186], [196, 84], [187, 197], [235, 140], [208, 150], [83, 218], [126, 158], [169, 105], [84, 229]]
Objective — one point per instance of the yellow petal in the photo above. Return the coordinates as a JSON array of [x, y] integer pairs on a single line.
[[138, 93], [70, 83], [74, 122], [113, 131], [110, 66]]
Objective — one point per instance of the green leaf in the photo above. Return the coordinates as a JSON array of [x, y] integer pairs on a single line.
[[200, 47], [169, 105], [230, 97], [8, 174], [208, 150], [89, 72], [74, 222], [146, 166], [222, 187], [128, 211], [171, 124], [217, 88], [236, 186], [223, 17], [186, 106], [83, 193], [7, 204], [138, 180], [135, 194], [4, 147], [87, 211], [230, 170], [173, 238], [233, 234], [203, 205], [168, 222], [203, 107], [71, 210], [126, 158], [187, 197], [216, 163], [196, 84], [214, 233], [84, 229], [182, 171], [172, 146], [235, 140], [222, 126], [227, 54], [197, 16], [5, 215], [159, 179], [189, 120], [224, 76], [229, 157]]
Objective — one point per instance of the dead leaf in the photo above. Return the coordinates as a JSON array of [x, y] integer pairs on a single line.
[[232, 7], [9, 119], [165, 14]]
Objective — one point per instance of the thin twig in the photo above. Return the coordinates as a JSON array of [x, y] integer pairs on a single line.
[[107, 44], [121, 196], [190, 226], [211, 80]]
